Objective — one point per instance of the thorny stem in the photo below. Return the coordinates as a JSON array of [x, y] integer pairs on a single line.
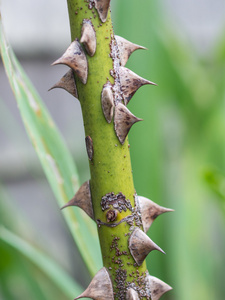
[[110, 167]]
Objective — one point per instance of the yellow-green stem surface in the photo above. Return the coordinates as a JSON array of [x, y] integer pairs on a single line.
[[110, 167]]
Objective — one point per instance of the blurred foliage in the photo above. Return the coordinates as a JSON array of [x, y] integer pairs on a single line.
[[53, 154], [182, 134], [216, 182], [25, 270]]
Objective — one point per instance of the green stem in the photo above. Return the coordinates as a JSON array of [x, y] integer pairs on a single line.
[[110, 167]]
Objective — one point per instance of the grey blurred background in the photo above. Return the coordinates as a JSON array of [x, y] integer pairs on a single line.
[[39, 33]]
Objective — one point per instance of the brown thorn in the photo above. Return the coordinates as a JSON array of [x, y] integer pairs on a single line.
[[75, 58], [67, 82], [82, 199], [107, 101], [100, 288], [157, 287], [131, 294], [123, 120], [130, 83], [126, 48], [88, 37], [141, 245], [102, 7], [150, 211]]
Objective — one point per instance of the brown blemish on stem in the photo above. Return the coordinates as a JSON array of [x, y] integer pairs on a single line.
[[111, 215], [89, 147], [118, 202], [115, 55], [140, 284]]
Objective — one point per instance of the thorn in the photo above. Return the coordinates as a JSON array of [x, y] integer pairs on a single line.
[[67, 82], [123, 120], [107, 101], [126, 48], [131, 294], [130, 83], [82, 199], [75, 58], [157, 287], [150, 211], [89, 147], [141, 245], [102, 7], [100, 288], [88, 37]]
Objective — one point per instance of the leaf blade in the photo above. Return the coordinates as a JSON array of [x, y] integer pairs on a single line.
[[53, 154], [68, 286]]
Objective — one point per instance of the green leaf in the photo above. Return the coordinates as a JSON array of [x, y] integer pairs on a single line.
[[62, 280], [37, 275], [216, 182], [53, 154]]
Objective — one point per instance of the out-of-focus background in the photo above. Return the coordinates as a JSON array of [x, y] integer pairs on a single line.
[[178, 152]]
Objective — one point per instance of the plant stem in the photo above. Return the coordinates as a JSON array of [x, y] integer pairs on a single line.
[[112, 190]]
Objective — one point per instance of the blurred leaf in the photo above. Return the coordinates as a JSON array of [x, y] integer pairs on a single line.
[[20, 279], [180, 133], [216, 181], [9, 125], [53, 154], [36, 275], [61, 279]]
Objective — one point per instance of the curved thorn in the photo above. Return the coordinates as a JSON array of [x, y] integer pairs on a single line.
[[107, 101], [100, 287], [141, 245], [130, 83], [131, 294], [123, 120], [88, 37], [126, 48], [157, 287], [102, 7], [67, 82], [82, 199], [75, 58], [150, 211]]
